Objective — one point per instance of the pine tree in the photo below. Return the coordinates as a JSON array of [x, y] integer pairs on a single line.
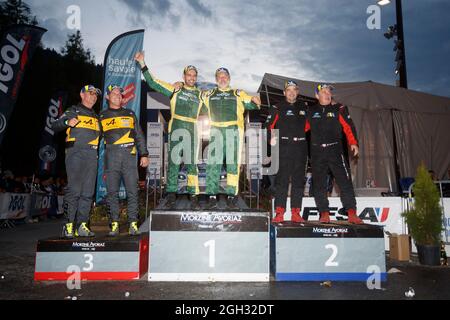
[[15, 12], [425, 218], [75, 51]]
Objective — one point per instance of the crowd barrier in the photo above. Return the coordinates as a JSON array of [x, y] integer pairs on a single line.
[[15, 206]]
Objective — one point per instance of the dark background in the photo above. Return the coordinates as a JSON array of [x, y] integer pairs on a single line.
[[48, 72]]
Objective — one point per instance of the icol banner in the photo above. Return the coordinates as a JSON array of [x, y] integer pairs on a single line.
[[48, 149], [17, 45], [41, 204], [14, 205], [122, 70]]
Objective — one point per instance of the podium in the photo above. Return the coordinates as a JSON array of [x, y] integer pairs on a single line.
[[319, 252], [209, 246], [100, 258]]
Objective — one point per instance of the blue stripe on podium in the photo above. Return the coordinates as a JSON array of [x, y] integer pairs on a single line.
[[338, 276]]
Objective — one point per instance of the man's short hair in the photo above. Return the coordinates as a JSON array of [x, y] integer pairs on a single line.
[[222, 69], [189, 68]]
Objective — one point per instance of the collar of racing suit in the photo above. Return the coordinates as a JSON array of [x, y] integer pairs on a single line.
[[115, 110], [82, 106], [223, 90], [286, 103], [190, 88]]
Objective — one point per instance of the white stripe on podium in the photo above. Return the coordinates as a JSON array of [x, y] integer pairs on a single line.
[[232, 277]]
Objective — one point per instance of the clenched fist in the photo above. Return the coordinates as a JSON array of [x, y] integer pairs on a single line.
[[73, 122], [139, 57]]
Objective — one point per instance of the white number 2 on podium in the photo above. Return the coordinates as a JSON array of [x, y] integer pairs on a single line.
[[212, 252], [330, 262]]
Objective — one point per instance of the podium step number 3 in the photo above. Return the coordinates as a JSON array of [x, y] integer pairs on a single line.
[[123, 258]]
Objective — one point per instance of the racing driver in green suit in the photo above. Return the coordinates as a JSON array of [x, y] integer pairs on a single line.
[[226, 108], [185, 106]]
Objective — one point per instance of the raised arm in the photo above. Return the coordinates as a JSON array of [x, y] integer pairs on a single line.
[[160, 86]]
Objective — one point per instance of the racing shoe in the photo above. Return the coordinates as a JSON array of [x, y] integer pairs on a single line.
[[194, 202], [295, 215], [212, 203], [324, 217], [353, 218], [279, 215], [133, 230], [114, 229], [67, 231], [170, 200], [232, 202], [83, 231]]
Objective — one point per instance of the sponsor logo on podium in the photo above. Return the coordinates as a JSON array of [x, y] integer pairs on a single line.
[[211, 218], [88, 245], [371, 214], [329, 231]]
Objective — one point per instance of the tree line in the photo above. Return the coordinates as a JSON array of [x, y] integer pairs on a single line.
[[48, 72]]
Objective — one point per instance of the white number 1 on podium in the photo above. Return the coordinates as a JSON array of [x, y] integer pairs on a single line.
[[212, 252]]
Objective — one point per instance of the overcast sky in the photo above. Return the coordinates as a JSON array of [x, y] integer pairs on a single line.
[[320, 40]]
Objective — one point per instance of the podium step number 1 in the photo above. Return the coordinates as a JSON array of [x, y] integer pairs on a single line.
[[209, 246]]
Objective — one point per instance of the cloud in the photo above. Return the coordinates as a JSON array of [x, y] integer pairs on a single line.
[[200, 8], [149, 7], [162, 14], [56, 35], [154, 14], [256, 77], [53, 19], [322, 40]]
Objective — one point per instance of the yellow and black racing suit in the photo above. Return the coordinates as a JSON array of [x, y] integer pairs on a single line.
[[81, 160], [124, 140]]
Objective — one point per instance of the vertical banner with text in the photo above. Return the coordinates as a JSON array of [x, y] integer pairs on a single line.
[[49, 148], [122, 70], [17, 45]]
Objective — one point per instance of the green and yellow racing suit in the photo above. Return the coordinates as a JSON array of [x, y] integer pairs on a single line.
[[185, 106], [226, 113]]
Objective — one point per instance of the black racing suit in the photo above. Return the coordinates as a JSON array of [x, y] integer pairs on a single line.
[[290, 120], [327, 124], [123, 141], [81, 161]]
